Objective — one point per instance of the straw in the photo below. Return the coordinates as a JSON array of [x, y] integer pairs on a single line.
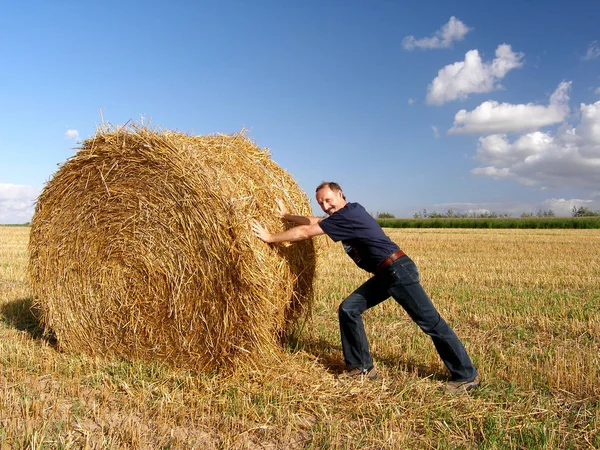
[[141, 248]]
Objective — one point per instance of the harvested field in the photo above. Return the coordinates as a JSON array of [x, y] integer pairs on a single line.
[[525, 303]]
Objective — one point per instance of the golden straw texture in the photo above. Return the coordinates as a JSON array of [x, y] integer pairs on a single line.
[[141, 247]]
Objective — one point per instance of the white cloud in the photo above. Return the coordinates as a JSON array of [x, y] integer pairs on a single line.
[[564, 207], [568, 158], [597, 91], [451, 32], [17, 202], [458, 80], [72, 134], [436, 134], [593, 51], [589, 130], [493, 117], [411, 101]]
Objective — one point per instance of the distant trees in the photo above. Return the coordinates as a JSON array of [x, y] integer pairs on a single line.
[[582, 211], [540, 213], [384, 215], [451, 214]]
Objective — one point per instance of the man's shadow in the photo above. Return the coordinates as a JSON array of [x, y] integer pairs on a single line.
[[21, 314], [330, 357]]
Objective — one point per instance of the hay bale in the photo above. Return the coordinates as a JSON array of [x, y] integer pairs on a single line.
[[141, 248]]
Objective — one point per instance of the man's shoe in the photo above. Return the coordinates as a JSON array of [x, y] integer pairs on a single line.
[[460, 387], [359, 373]]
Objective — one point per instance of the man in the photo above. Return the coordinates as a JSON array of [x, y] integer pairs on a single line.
[[395, 274]]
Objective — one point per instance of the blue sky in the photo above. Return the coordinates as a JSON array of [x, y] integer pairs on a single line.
[[467, 105]]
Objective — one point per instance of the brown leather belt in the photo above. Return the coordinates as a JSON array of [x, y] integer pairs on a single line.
[[390, 259]]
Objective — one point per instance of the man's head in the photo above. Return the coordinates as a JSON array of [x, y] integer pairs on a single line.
[[330, 197]]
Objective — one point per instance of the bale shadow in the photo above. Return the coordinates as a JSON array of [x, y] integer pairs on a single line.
[[331, 358], [21, 314], [326, 354]]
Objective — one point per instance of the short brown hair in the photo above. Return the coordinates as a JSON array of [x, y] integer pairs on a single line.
[[331, 185]]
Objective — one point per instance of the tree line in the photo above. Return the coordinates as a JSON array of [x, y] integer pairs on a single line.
[[581, 211]]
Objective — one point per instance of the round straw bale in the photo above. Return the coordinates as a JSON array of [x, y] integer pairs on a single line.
[[141, 247]]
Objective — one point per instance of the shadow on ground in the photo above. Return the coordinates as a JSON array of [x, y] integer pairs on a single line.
[[327, 354], [21, 315], [330, 357]]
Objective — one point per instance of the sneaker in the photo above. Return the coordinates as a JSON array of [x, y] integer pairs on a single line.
[[460, 387], [359, 373]]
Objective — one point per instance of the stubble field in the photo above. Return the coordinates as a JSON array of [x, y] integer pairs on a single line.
[[526, 304]]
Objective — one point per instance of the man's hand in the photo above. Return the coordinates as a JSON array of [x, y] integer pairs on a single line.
[[261, 232], [282, 209]]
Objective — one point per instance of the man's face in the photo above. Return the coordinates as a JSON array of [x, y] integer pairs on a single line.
[[330, 201]]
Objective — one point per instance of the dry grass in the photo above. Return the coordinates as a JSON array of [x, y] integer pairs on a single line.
[[525, 303]]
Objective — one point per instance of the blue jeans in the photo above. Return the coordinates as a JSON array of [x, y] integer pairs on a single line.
[[401, 281]]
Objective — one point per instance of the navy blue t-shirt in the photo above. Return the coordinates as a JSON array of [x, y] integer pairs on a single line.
[[364, 240]]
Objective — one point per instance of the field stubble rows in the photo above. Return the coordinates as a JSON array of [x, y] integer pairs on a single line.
[[524, 302]]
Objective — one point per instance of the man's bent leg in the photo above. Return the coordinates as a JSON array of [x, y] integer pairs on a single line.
[[409, 293], [352, 330]]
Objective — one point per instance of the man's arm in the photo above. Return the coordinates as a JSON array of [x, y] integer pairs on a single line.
[[300, 220], [298, 233]]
